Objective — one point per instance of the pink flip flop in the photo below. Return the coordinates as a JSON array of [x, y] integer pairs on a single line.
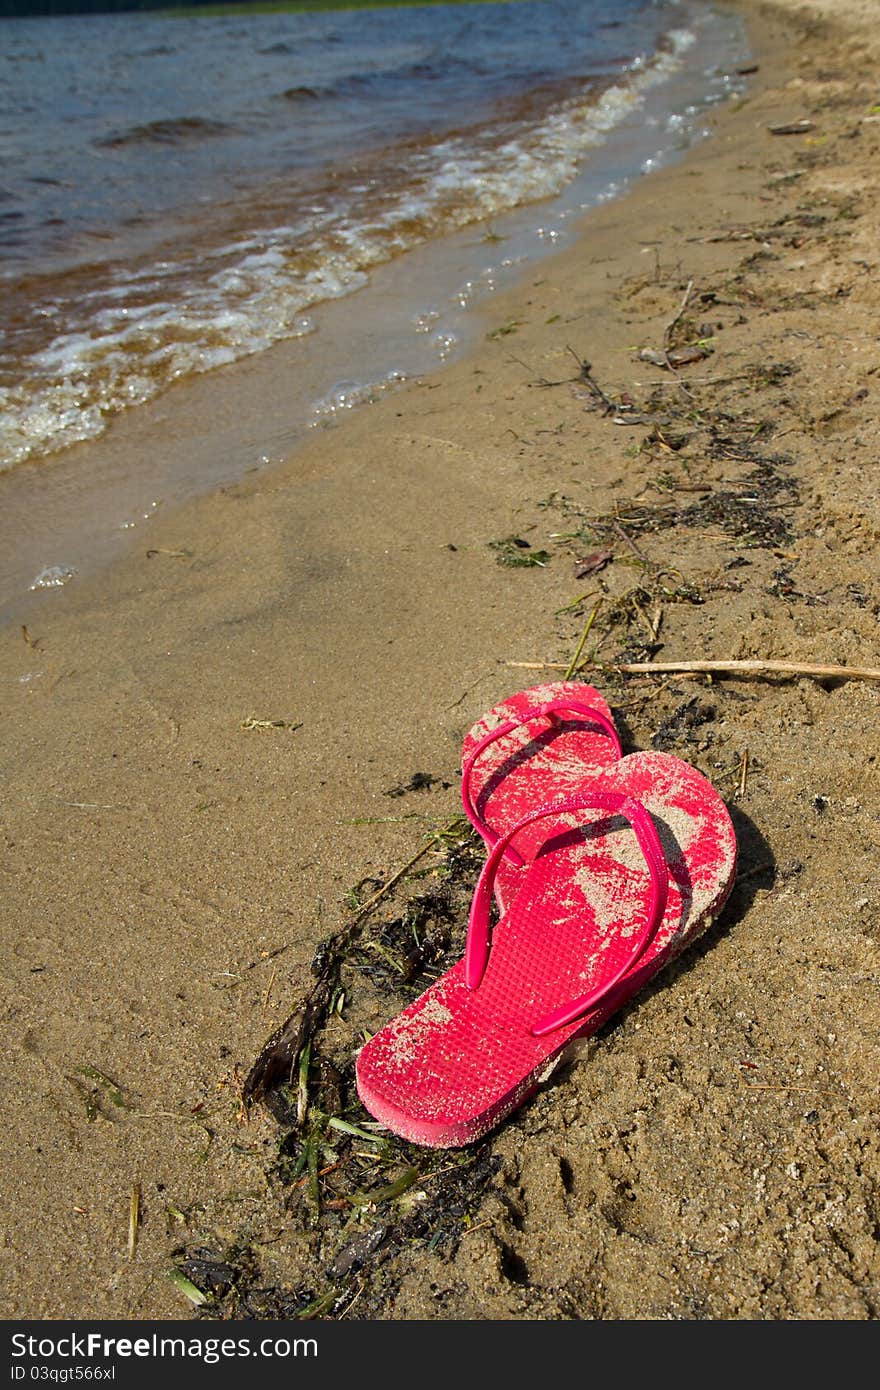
[[534, 747], [629, 870]]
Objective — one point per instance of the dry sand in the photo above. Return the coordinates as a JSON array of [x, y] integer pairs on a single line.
[[169, 873]]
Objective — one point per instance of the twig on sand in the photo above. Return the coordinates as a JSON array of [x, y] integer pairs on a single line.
[[743, 774], [572, 666], [628, 540], [586, 373], [465, 693], [542, 380], [768, 866], [667, 335], [134, 1218], [269, 989], [746, 668]]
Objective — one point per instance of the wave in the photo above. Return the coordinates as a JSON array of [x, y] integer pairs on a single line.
[[99, 348], [169, 131], [406, 78]]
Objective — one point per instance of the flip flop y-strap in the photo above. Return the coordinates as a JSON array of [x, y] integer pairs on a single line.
[[550, 710], [478, 941]]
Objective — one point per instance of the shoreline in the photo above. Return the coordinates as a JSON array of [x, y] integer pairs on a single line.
[[67, 513], [350, 600]]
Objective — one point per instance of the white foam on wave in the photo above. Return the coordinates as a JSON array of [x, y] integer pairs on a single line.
[[53, 577], [258, 287], [346, 395]]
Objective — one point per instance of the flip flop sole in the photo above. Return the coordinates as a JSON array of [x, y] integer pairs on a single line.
[[459, 1060]]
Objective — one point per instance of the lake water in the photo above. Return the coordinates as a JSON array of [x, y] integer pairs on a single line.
[[178, 193]]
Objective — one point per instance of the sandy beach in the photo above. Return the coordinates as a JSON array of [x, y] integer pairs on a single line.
[[220, 746]]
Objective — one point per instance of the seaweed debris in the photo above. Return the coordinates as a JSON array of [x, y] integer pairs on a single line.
[[516, 553], [683, 724], [427, 1208], [361, 1198], [418, 782], [751, 511]]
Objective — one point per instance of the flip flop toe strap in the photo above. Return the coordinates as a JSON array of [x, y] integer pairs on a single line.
[[478, 944], [550, 710]]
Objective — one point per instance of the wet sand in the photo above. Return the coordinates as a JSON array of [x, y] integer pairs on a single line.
[[200, 741]]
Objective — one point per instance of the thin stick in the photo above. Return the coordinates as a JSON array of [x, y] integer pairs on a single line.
[[681, 308], [756, 668], [754, 872], [628, 540], [745, 668], [743, 774], [538, 665], [395, 878], [586, 373], [302, 1090], [134, 1217], [269, 989], [646, 621], [322, 1173], [348, 1307], [479, 1226], [465, 693], [584, 635], [780, 1086], [700, 380]]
